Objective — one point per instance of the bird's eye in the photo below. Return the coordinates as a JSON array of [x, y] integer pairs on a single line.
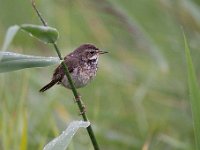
[[92, 52]]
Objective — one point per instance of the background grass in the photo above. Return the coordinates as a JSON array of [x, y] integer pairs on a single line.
[[139, 99], [194, 94]]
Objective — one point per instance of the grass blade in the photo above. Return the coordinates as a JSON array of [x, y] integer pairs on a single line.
[[194, 94], [11, 32], [13, 61], [24, 136], [62, 141]]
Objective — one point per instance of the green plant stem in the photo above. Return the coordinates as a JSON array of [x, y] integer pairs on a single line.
[[81, 107], [57, 51], [76, 95], [38, 13]]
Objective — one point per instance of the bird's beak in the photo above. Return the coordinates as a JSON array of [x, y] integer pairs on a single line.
[[102, 52]]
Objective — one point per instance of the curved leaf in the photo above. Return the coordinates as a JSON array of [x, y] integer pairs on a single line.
[[10, 34], [43, 33], [13, 61], [62, 141]]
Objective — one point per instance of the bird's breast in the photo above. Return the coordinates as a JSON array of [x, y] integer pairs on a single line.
[[81, 75]]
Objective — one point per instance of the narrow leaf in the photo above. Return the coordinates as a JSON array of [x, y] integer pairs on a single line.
[[24, 137], [13, 61], [62, 141], [10, 34], [43, 33], [194, 94]]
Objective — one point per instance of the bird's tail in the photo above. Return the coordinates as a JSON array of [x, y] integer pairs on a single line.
[[48, 86]]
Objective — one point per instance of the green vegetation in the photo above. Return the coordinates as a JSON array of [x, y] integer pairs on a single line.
[[194, 94], [140, 97]]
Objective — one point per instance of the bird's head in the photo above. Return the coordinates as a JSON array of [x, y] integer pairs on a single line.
[[88, 52]]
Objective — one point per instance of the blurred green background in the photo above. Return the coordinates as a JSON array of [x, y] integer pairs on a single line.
[[139, 99]]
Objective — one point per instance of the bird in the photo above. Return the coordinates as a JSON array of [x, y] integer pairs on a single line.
[[82, 64]]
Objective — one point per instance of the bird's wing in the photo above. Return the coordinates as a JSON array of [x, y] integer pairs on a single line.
[[59, 71]]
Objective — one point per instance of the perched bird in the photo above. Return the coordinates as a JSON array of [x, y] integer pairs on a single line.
[[82, 64]]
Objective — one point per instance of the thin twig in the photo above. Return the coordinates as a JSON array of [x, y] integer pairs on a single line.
[[38, 13], [57, 51], [76, 95]]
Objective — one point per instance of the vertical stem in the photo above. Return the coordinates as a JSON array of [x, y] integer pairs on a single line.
[[81, 107], [76, 95], [38, 13], [57, 51]]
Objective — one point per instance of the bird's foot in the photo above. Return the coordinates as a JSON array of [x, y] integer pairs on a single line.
[[83, 110], [77, 99]]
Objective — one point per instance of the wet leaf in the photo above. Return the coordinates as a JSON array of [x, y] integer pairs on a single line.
[[14, 61], [62, 141], [43, 33]]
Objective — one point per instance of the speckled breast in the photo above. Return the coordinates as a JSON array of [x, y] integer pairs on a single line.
[[81, 75]]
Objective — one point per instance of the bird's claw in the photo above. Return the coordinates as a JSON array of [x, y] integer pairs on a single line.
[[83, 110]]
